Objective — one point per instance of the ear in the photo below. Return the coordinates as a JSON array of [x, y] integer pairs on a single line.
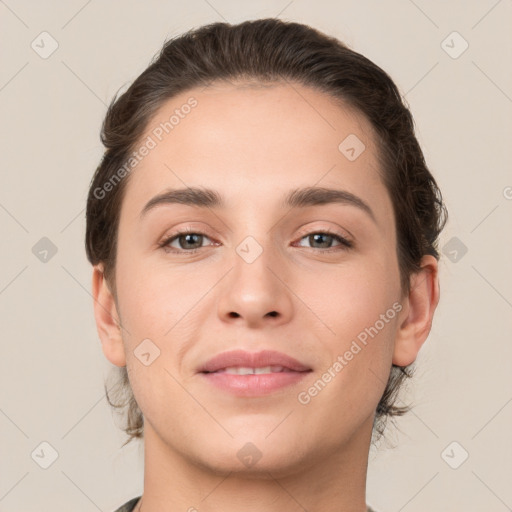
[[107, 318], [418, 312]]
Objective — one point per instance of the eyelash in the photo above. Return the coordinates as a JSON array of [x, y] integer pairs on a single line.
[[344, 243]]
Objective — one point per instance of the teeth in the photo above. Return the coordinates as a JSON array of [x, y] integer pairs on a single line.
[[244, 370]]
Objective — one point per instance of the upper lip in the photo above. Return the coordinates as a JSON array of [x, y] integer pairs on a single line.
[[261, 359]]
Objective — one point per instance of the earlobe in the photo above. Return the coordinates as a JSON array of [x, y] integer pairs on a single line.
[[418, 312], [107, 318]]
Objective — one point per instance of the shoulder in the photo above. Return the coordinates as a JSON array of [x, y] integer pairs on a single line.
[[128, 506]]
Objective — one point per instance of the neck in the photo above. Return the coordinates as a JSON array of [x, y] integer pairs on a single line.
[[334, 481]]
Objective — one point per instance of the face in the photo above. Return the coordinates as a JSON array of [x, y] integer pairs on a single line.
[[311, 276]]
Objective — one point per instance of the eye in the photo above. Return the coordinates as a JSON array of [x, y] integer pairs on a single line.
[[188, 241], [324, 240]]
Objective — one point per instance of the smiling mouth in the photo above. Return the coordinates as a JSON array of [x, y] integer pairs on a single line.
[[246, 370], [248, 381]]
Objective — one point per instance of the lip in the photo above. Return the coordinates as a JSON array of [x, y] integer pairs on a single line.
[[254, 384], [252, 360]]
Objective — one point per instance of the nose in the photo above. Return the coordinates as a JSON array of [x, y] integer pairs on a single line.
[[255, 293]]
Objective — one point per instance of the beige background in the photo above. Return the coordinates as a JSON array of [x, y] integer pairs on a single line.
[[52, 368]]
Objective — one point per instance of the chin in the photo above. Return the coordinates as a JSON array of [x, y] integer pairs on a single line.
[[256, 456]]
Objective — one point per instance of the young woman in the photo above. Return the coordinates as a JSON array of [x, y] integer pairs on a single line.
[[263, 230]]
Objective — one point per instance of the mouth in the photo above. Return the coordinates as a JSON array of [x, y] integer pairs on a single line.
[[247, 370], [265, 361], [249, 374]]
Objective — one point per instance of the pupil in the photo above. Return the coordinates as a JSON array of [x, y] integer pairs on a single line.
[[189, 236], [318, 238]]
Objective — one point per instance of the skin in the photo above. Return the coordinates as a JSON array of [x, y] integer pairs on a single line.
[[252, 145]]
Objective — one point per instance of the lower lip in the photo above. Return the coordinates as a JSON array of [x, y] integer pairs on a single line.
[[253, 385]]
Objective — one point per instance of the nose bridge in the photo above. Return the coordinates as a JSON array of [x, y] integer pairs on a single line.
[[253, 261], [255, 250], [253, 291]]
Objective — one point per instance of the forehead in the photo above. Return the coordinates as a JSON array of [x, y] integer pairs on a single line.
[[252, 138]]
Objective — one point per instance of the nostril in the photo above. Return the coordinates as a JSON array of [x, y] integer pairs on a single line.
[[233, 314]]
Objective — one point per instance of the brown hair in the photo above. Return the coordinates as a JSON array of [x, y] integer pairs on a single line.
[[270, 51]]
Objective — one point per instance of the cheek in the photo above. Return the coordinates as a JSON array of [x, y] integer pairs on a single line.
[[351, 297], [356, 359], [156, 304], [153, 297], [360, 305]]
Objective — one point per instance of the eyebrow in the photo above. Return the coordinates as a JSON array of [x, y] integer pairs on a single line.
[[297, 198]]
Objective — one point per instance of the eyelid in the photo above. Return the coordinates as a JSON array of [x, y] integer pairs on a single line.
[[346, 236]]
